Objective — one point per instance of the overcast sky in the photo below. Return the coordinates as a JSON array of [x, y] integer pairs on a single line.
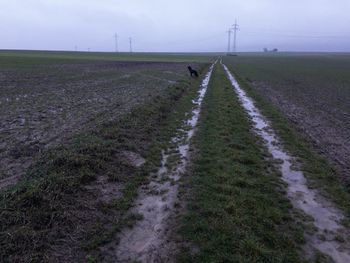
[[177, 25]]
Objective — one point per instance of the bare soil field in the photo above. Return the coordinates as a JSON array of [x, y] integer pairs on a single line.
[[78, 138], [313, 91], [42, 105]]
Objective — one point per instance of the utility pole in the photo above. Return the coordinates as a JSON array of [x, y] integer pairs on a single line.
[[116, 42], [229, 40], [130, 43], [235, 29]]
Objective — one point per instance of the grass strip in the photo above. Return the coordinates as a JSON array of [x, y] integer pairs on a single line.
[[237, 209], [321, 173]]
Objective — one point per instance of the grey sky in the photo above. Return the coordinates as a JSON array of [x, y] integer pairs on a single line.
[[182, 25]]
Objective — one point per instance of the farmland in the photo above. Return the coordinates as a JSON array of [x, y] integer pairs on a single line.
[[41, 105], [313, 91], [71, 134], [22, 59], [227, 173], [125, 158]]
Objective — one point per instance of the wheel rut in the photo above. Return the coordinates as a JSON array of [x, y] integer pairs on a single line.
[[329, 237], [149, 240]]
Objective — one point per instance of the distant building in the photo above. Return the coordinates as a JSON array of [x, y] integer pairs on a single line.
[[272, 50]]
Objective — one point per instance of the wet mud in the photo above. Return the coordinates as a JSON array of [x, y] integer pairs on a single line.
[[329, 237], [149, 240]]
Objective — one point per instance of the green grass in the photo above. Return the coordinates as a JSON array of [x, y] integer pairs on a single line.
[[237, 208], [52, 206], [320, 173], [23, 58]]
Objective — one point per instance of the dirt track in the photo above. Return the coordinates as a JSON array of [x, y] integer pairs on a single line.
[[326, 216], [109, 90], [151, 239]]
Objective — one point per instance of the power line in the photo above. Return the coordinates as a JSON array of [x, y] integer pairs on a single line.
[[292, 33], [184, 41], [235, 29], [130, 43], [272, 34], [116, 42], [288, 31], [229, 40]]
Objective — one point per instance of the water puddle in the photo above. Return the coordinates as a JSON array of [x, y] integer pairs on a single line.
[[330, 237], [148, 240]]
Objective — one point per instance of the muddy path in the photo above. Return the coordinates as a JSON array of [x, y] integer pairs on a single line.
[[328, 236], [150, 239]]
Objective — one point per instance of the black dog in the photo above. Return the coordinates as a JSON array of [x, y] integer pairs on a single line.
[[192, 72]]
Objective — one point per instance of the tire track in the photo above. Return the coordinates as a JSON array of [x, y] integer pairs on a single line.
[[330, 237], [149, 240]]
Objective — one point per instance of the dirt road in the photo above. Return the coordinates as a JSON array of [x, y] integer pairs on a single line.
[[327, 219], [152, 238]]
